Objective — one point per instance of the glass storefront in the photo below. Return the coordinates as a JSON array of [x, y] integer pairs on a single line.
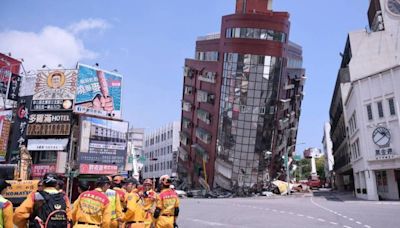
[[247, 110]]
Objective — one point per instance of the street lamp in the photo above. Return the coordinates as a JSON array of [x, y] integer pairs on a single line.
[[287, 164]]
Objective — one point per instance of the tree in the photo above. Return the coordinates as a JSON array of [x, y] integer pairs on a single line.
[[320, 163]]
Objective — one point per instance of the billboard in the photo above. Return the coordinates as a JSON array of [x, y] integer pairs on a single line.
[[42, 169], [102, 142], [98, 92], [54, 90], [5, 126], [49, 124]]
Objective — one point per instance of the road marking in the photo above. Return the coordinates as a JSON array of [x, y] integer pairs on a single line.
[[359, 223], [291, 213], [208, 223], [347, 226], [321, 220], [366, 226], [351, 219], [300, 215], [310, 217], [283, 212], [333, 223], [274, 210]]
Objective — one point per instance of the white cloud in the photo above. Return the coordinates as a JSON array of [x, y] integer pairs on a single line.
[[51, 46], [88, 24]]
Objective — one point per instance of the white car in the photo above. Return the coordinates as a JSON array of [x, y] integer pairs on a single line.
[[181, 193]]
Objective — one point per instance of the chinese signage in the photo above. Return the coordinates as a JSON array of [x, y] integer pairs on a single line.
[[49, 124], [5, 125], [103, 142], [41, 170], [98, 92], [385, 154], [97, 169], [54, 90], [21, 118], [13, 90], [5, 75], [47, 144]]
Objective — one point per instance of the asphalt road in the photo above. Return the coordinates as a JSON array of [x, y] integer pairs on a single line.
[[322, 209]]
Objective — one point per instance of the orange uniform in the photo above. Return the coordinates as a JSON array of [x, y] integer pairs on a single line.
[[167, 204], [6, 212], [149, 206], [24, 211], [122, 196], [135, 214], [93, 209]]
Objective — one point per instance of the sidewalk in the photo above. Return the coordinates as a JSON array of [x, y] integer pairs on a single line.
[[347, 196]]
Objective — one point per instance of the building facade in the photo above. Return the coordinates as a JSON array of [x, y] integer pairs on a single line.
[[371, 105], [328, 154], [161, 151], [241, 101]]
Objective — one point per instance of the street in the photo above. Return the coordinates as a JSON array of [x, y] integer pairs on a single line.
[[321, 209]]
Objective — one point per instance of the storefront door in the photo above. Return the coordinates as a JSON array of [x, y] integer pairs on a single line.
[[397, 174]]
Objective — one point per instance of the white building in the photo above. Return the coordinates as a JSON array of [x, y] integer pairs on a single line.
[[161, 151], [135, 151], [329, 161], [371, 106]]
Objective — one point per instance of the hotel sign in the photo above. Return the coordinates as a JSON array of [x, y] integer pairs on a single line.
[[49, 124]]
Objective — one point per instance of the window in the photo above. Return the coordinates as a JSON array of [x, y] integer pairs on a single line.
[[391, 107], [381, 181], [48, 156], [208, 77], [203, 135], [255, 33], [369, 111], [188, 90], [380, 109]]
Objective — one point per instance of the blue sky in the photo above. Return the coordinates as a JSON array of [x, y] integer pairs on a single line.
[[147, 42]]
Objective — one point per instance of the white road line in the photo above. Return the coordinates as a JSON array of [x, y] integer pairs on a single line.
[[321, 220], [282, 212], [351, 219], [310, 217], [208, 223], [366, 226], [359, 223], [333, 223], [291, 213], [347, 226], [300, 215]]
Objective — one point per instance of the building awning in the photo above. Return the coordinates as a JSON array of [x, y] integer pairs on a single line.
[[47, 144]]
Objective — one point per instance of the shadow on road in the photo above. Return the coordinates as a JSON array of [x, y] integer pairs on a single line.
[[335, 196]]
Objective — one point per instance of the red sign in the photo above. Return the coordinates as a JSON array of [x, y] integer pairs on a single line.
[[98, 169], [41, 170], [11, 64]]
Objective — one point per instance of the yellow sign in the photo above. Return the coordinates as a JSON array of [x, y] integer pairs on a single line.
[[20, 189]]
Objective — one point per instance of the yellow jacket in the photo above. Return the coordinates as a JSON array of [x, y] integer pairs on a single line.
[[167, 201], [7, 213], [116, 208], [23, 212], [135, 208], [92, 207]]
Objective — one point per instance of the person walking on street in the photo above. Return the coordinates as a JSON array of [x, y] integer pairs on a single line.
[[47, 208], [93, 208], [167, 205], [6, 207]]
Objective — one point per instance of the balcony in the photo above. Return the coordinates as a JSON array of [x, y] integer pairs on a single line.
[[186, 106], [200, 151], [183, 154], [203, 135], [285, 103], [185, 139], [186, 123], [204, 116], [283, 123], [208, 77], [189, 72], [288, 86], [204, 96]]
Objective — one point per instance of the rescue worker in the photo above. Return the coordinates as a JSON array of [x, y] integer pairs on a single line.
[[149, 196], [83, 186], [28, 210], [116, 208], [129, 185], [6, 207], [135, 214], [93, 208], [167, 205], [118, 181]]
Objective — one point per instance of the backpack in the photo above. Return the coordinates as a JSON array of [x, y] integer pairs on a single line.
[[49, 211]]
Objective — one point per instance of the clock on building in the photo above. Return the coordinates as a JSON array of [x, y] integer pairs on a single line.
[[393, 7], [381, 136]]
